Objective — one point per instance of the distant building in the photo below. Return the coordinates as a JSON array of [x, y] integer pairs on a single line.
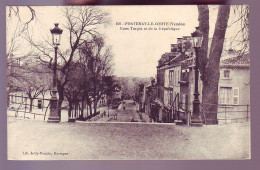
[[115, 97]]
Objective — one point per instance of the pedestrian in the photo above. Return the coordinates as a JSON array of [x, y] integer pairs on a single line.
[[141, 116], [115, 116]]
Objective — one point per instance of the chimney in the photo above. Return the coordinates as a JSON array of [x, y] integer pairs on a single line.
[[186, 43], [179, 44], [174, 48]]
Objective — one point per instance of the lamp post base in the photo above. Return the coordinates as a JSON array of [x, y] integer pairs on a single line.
[[53, 120], [54, 112], [196, 118]]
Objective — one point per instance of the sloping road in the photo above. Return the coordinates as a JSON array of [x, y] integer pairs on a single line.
[[127, 112]]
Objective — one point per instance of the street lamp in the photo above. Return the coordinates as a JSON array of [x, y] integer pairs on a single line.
[[196, 43], [54, 116]]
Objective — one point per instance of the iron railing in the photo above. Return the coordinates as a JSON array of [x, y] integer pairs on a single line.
[[225, 113], [21, 106]]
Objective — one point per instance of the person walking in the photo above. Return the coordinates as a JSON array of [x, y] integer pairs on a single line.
[[115, 115]]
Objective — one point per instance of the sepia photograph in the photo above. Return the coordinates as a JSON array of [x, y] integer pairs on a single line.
[[132, 82]]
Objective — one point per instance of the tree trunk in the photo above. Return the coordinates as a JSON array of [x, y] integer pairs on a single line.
[[210, 71], [210, 101], [90, 109], [70, 108], [61, 98], [31, 104], [95, 107], [82, 107], [43, 101], [75, 109], [87, 109]]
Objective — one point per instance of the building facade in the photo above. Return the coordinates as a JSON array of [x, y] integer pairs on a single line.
[[176, 82]]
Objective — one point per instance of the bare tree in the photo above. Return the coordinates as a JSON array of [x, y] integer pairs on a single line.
[[240, 20], [74, 90], [96, 62], [16, 27], [32, 80], [82, 23], [209, 64]]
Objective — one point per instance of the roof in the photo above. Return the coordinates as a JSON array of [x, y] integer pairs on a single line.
[[166, 57], [179, 58], [148, 84], [239, 61]]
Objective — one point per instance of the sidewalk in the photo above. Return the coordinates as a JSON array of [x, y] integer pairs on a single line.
[[104, 119]]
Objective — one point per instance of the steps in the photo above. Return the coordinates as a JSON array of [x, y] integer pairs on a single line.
[[196, 122], [53, 120], [178, 122]]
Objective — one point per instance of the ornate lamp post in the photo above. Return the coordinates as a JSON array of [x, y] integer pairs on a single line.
[[54, 116], [196, 43]]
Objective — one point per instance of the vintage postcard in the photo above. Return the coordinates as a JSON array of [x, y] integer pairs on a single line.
[[128, 82]]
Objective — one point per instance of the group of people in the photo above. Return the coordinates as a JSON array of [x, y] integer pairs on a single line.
[[122, 106], [104, 115]]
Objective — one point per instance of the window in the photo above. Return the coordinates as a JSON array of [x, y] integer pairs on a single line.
[[165, 97], [171, 98], [225, 95], [236, 95], [229, 95], [227, 74], [168, 101], [177, 78], [166, 77], [39, 104], [184, 75], [171, 77]]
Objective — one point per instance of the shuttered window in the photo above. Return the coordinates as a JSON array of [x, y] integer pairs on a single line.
[[236, 95], [229, 95], [225, 95]]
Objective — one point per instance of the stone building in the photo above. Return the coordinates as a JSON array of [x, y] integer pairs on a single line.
[[234, 88], [176, 81]]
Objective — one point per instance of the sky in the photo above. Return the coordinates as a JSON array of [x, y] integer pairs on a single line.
[[135, 53]]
